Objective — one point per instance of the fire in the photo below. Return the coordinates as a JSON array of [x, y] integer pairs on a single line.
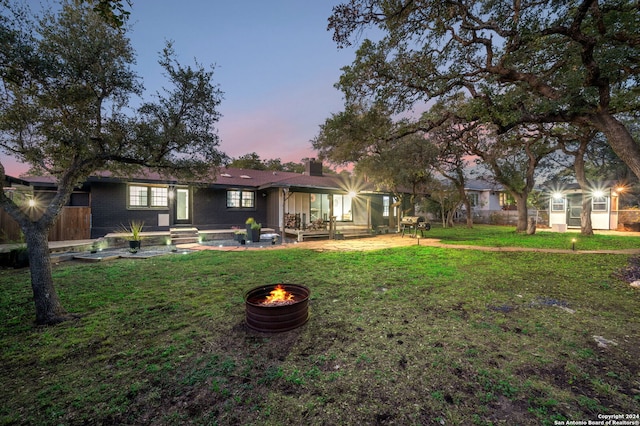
[[279, 296]]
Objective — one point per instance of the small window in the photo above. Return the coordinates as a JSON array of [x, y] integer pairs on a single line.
[[557, 204], [385, 205], [241, 199], [506, 200], [145, 196], [599, 204]]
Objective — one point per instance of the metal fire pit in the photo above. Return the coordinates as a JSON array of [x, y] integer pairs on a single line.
[[273, 318]]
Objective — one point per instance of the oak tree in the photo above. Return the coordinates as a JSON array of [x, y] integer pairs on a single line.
[[67, 80], [569, 61]]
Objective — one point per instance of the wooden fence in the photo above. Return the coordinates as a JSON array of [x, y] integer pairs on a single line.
[[73, 223]]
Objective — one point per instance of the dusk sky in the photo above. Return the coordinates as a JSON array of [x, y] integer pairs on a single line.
[[274, 60]]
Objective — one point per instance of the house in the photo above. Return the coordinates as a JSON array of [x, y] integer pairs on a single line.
[[286, 202], [486, 199], [565, 207]]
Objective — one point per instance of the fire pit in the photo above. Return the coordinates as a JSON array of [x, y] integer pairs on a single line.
[[280, 307]]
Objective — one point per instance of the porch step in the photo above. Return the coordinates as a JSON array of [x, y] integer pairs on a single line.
[[184, 235]]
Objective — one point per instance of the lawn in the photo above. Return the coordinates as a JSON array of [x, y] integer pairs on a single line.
[[407, 336], [505, 236]]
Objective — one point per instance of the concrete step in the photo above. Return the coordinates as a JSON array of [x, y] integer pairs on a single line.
[[184, 235]]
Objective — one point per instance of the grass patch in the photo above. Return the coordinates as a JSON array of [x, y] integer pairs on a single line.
[[505, 236], [413, 335]]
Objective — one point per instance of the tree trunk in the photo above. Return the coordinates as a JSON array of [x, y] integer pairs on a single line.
[[531, 227], [467, 205], [619, 139], [523, 212], [450, 214], [49, 310], [586, 227]]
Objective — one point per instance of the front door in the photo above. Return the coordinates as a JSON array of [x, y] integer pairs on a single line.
[[182, 206], [574, 209]]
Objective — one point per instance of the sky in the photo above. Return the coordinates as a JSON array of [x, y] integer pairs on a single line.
[[275, 62]]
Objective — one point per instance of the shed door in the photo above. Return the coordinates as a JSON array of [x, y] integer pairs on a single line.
[[574, 209]]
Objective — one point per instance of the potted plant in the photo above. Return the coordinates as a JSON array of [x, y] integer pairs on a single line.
[[135, 234], [249, 222], [240, 235], [338, 236], [255, 232]]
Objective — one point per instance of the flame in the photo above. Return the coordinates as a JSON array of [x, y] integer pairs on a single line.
[[278, 296]]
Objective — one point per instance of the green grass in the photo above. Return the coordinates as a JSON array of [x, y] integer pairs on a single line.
[[505, 236], [410, 336]]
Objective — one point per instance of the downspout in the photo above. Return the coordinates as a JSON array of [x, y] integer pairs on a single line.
[[284, 201]]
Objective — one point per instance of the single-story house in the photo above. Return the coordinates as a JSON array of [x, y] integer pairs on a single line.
[[486, 198], [278, 200], [565, 207]]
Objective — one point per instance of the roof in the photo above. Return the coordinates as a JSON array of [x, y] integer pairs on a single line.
[[228, 177], [482, 185]]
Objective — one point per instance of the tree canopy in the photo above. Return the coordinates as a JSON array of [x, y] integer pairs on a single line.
[[252, 161], [571, 61]]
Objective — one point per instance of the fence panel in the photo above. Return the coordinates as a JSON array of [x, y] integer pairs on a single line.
[[73, 223]]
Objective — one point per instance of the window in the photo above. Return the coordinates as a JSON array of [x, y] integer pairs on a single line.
[[319, 204], [506, 199], [138, 196], [159, 197], [248, 199], [557, 204], [599, 204], [241, 199], [473, 199], [385, 205], [145, 196], [342, 207]]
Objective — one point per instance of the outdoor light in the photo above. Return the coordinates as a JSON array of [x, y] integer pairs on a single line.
[[573, 244], [32, 202], [352, 194], [598, 194], [557, 196]]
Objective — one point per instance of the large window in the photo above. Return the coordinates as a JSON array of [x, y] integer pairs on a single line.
[[241, 199], [145, 196], [319, 204], [342, 207]]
